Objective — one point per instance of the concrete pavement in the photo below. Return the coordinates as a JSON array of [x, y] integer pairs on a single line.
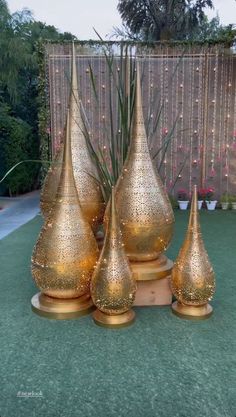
[[17, 211]]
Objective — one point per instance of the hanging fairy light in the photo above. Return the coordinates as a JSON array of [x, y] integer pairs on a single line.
[[214, 110], [221, 102], [192, 110]]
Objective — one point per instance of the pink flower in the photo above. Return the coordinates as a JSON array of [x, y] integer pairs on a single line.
[[165, 130]]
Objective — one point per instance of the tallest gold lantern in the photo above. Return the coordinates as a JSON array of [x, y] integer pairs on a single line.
[[85, 173], [143, 206]]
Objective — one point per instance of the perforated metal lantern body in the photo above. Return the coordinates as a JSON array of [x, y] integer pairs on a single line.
[[51, 183], [143, 207], [113, 286], [66, 252], [193, 281], [85, 173]]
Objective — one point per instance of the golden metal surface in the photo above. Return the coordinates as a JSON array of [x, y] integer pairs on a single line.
[[61, 309], [114, 322], [90, 194], [192, 312], [192, 280], [145, 213], [113, 286], [66, 252], [51, 183], [152, 270]]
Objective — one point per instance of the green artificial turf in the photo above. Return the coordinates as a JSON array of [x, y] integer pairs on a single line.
[[162, 366]]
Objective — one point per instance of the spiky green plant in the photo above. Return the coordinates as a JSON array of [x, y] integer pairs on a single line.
[[109, 161]]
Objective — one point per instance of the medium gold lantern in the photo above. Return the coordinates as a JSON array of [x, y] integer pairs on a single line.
[[66, 252], [192, 281], [143, 206], [113, 286], [51, 183], [85, 173]]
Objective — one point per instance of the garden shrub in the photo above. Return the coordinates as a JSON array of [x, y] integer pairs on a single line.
[[17, 143]]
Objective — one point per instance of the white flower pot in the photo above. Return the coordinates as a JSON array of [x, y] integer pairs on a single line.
[[225, 206], [199, 203], [183, 205], [211, 205], [233, 205]]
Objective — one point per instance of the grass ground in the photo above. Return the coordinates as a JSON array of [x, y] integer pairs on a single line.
[[162, 366]]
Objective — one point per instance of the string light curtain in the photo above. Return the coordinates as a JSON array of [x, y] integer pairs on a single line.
[[194, 87]]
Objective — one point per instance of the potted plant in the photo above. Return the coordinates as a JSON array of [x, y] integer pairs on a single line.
[[211, 204], [183, 199], [233, 201], [224, 200], [201, 197]]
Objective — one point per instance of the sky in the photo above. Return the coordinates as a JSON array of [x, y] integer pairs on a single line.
[[80, 16]]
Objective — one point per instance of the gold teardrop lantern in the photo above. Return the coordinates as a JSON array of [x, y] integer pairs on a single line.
[[143, 206], [51, 183], [192, 281], [113, 286], [90, 194], [66, 252]]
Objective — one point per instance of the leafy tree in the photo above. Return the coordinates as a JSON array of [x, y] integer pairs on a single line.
[[19, 70], [16, 144], [213, 30], [154, 20]]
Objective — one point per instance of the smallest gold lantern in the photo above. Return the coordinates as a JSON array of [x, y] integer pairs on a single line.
[[113, 286], [192, 280]]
